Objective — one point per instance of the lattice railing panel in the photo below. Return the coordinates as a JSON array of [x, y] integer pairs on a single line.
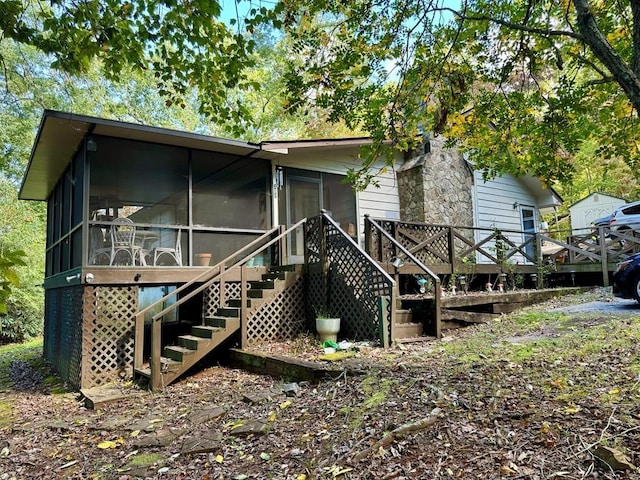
[[211, 301], [63, 332], [353, 286], [280, 318], [108, 331], [435, 251]]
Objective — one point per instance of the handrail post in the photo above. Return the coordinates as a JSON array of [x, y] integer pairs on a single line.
[[324, 262], [539, 262], [395, 297], [452, 250], [155, 362], [367, 236], [604, 260], [138, 341], [221, 296], [282, 248], [243, 307], [395, 235]]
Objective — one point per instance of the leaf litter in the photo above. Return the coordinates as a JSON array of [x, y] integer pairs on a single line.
[[474, 406]]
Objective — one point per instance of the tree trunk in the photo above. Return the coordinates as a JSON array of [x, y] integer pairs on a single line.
[[627, 76]]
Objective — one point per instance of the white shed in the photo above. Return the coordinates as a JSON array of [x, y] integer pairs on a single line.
[[592, 207]]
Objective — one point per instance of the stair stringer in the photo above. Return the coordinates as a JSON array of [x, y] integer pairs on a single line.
[[173, 369]]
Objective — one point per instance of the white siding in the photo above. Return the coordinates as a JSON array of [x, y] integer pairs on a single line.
[[494, 201], [591, 208]]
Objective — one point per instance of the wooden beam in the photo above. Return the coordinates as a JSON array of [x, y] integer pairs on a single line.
[[465, 316]]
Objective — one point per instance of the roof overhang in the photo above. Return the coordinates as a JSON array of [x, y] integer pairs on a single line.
[[60, 135], [548, 198]]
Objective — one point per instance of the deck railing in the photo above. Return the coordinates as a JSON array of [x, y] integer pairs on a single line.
[[274, 237], [448, 250]]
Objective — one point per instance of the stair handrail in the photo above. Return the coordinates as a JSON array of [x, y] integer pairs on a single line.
[[382, 271], [202, 276], [422, 266], [217, 271], [387, 326]]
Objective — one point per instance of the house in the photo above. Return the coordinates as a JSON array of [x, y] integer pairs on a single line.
[[438, 186], [164, 245], [154, 227], [593, 206]]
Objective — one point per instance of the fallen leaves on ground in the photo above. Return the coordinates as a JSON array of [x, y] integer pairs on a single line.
[[536, 408]]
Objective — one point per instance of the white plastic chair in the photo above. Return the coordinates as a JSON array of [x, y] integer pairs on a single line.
[[97, 246], [123, 233], [173, 252]]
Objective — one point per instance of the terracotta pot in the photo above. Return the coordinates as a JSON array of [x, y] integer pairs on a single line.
[[203, 259]]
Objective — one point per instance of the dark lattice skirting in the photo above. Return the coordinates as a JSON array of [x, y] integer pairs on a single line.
[[63, 332]]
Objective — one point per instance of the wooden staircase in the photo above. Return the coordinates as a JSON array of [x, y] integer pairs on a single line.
[[410, 319], [205, 338]]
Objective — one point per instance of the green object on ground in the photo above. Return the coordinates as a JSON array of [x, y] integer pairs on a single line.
[[329, 344]]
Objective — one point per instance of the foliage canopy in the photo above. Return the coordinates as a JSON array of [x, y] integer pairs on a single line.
[[518, 85]]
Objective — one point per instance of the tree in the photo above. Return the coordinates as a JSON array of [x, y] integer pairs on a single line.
[[518, 85]]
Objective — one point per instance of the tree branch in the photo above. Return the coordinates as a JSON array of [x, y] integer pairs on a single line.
[[626, 77], [514, 25]]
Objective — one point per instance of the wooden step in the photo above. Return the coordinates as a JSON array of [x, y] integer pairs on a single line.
[[404, 316], [168, 365], [255, 293], [407, 330], [237, 302], [205, 331], [415, 339], [228, 312], [192, 342], [216, 321], [177, 353], [264, 285], [282, 268], [274, 276]]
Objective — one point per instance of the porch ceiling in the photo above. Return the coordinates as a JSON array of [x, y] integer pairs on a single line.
[[60, 135]]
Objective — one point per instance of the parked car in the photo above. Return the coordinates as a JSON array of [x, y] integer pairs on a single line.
[[626, 278], [602, 221], [626, 217]]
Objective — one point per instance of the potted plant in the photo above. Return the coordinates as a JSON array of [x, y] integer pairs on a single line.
[[327, 325]]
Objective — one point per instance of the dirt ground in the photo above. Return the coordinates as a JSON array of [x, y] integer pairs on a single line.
[[540, 394]]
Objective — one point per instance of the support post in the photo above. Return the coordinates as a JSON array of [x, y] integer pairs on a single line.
[[604, 260], [155, 363], [437, 309], [138, 341], [383, 308], [243, 307], [452, 249]]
